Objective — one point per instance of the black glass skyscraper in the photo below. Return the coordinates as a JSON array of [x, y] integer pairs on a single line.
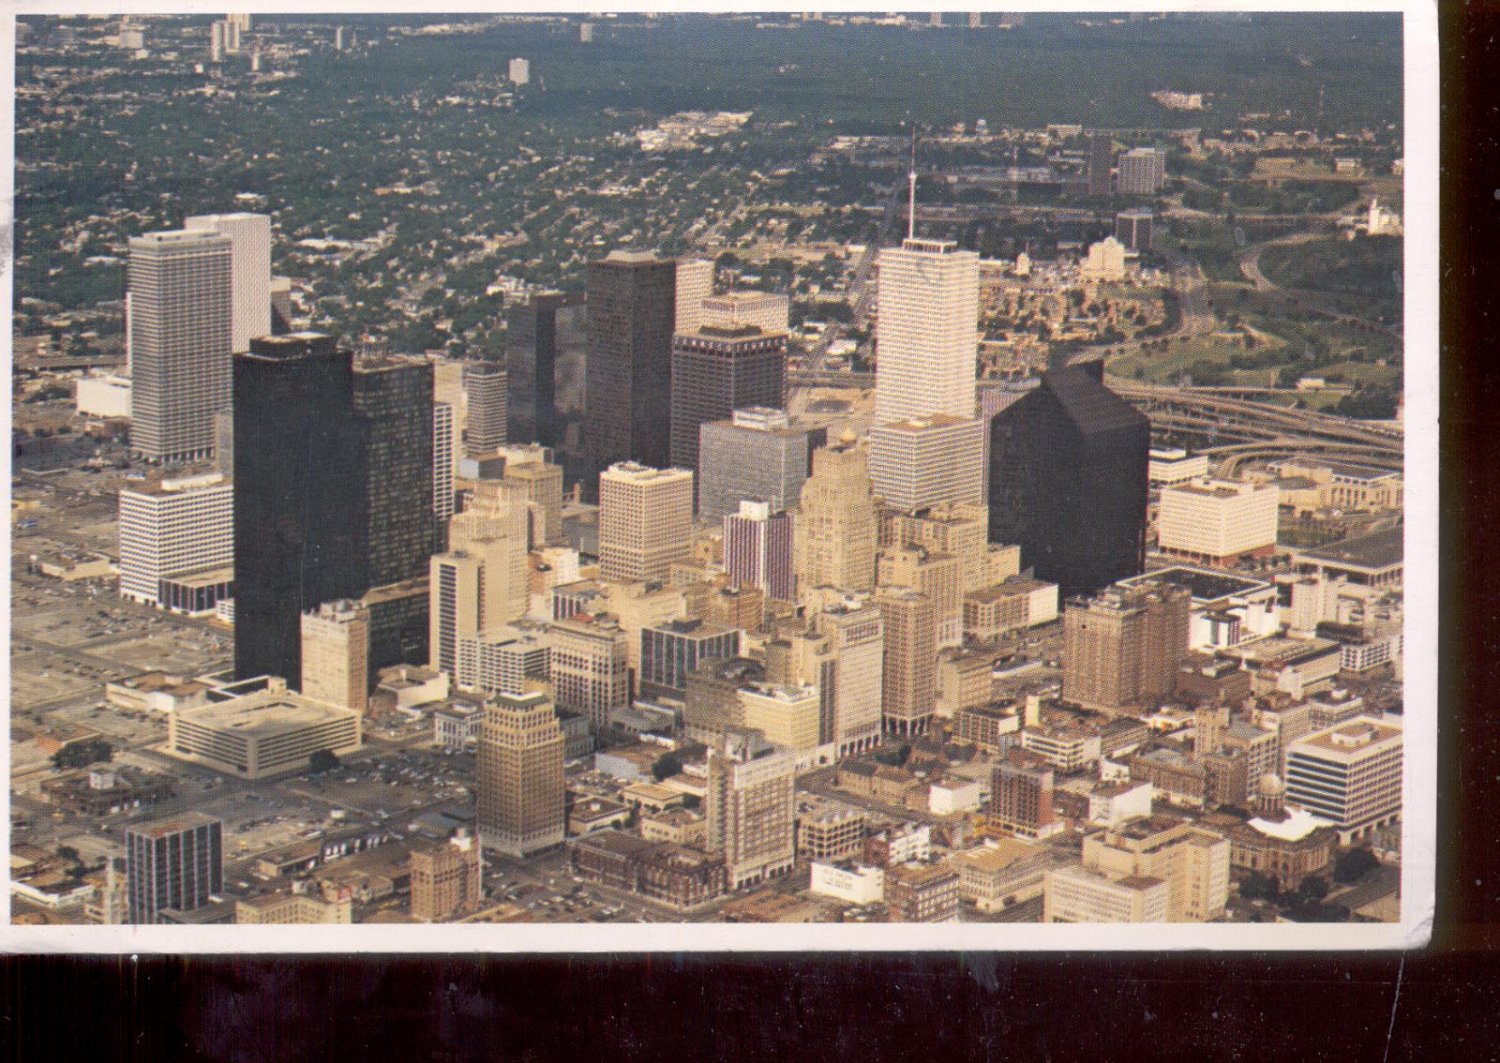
[[531, 341], [298, 507], [631, 315], [1068, 472], [393, 412]]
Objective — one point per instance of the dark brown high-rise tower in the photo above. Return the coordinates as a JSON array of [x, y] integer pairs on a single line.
[[631, 315]]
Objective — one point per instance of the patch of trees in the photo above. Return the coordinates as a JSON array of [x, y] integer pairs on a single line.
[[82, 754]]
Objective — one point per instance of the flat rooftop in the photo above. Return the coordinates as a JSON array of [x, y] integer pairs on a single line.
[[1374, 550], [265, 714], [175, 824], [1203, 585], [1014, 585], [1351, 739], [998, 855]]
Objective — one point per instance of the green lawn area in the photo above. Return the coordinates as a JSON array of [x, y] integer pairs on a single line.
[[1284, 335], [1165, 367]]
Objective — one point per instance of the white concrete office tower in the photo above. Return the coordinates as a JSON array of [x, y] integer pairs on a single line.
[[645, 521], [250, 271], [1218, 520], [442, 470], [448, 387], [927, 338], [181, 339], [695, 283], [520, 71], [1349, 775], [928, 461], [336, 655], [216, 35], [502, 660], [172, 528], [487, 387], [767, 311]]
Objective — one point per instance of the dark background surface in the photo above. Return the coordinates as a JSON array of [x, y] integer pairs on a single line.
[[1439, 1003]]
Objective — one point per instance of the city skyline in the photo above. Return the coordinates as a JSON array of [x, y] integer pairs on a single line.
[[1031, 492]]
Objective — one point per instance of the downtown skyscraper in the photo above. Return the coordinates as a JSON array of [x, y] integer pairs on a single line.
[[716, 371], [1068, 480], [250, 271], [393, 410], [298, 516], [628, 386], [520, 804], [535, 331], [927, 336], [181, 339]]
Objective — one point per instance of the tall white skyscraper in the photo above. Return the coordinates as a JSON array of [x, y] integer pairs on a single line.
[[695, 283], [520, 71], [181, 339], [927, 338], [173, 528], [927, 461], [250, 272]]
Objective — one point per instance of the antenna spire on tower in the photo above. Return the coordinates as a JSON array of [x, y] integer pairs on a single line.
[[911, 188]]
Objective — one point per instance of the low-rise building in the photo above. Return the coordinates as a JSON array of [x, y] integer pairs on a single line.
[[271, 732], [921, 893], [1299, 667], [901, 844], [994, 727], [155, 692], [1079, 895], [1001, 873], [1288, 848], [676, 875], [282, 909], [679, 826], [105, 791], [1349, 775], [993, 612], [1112, 803], [1066, 747], [829, 832], [848, 881], [596, 813], [1172, 773], [950, 795]]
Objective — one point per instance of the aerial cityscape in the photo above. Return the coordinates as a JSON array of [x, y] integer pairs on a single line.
[[717, 468]]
